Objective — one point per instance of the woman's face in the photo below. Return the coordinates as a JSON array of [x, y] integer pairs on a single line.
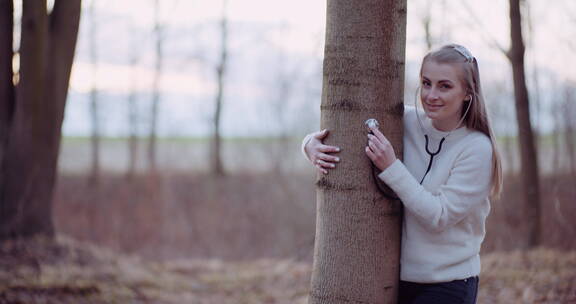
[[442, 94]]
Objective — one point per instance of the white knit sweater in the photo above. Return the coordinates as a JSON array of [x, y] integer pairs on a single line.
[[444, 218]]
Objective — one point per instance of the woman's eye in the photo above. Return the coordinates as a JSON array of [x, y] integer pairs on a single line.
[[425, 83], [445, 86]]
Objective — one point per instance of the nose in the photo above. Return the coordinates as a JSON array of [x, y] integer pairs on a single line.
[[431, 94]]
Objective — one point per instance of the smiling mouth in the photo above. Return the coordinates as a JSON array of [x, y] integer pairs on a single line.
[[433, 106]]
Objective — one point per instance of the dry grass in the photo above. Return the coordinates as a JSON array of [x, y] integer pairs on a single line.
[[236, 217], [245, 238], [536, 276], [250, 216], [67, 271]]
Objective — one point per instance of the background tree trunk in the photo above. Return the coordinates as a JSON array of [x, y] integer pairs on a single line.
[[528, 156], [569, 113], [31, 150], [133, 109], [158, 31], [94, 109], [427, 23], [6, 73], [216, 155], [357, 249]]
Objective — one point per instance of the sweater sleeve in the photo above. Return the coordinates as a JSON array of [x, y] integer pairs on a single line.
[[467, 185], [304, 142]]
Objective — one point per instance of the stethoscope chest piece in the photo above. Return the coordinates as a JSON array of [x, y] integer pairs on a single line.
[[371, 123]]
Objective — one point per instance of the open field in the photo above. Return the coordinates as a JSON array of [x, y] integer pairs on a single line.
[[186, 155], [191, 155]]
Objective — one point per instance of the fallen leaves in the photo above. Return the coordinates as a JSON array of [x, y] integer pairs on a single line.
[[66, 271]]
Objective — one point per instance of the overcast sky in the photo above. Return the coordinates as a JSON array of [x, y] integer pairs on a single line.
[[271, 41]]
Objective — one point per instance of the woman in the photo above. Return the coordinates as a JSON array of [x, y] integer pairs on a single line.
[[451, 169]]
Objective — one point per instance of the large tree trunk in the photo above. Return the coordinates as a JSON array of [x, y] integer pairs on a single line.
[[31, 150], [528, 156], [357, 249]]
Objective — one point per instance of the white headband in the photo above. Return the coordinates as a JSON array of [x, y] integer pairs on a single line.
[[464, 52]]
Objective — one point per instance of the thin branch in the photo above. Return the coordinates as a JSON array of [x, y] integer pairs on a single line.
[[477, 23]]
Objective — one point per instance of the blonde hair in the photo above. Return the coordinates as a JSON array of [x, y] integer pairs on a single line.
[[477, 116]]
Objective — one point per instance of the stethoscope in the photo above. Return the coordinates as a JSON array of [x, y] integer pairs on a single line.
[[386, 191], [432, 154]]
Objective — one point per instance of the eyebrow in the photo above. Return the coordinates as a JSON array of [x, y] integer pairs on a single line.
[[440, 81]]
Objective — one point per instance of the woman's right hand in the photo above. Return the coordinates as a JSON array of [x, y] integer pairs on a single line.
[[317, 152]]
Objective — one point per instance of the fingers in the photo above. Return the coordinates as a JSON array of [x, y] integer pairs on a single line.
[[322, 170], [324, 161], [379, 150], [325, 164], [328, 149], [321, 134], [379, 134], [327, 157], [370, 154], [322, 166], [374, 146], [375, 143], [319, 146]]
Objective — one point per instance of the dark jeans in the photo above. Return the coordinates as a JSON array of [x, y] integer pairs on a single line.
[[455, 292]]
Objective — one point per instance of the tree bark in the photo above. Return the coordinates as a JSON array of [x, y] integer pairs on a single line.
[[358, 230], [31, 152], [528, 156], [6, 72]]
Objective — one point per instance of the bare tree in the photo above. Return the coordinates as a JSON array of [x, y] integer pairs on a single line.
[[7, 101], [158, 32], [556, 110], [569, 111], [284, 87], [35, 113], [529, 159], [527, 147], [94, 109], [283, 84], [133, 109], [357, 248], [427, 23], [216, 155]]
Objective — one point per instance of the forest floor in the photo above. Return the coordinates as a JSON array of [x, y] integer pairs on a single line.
[[67, 271]]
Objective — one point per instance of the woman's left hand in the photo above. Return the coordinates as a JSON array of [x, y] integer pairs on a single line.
[[379, 149]]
